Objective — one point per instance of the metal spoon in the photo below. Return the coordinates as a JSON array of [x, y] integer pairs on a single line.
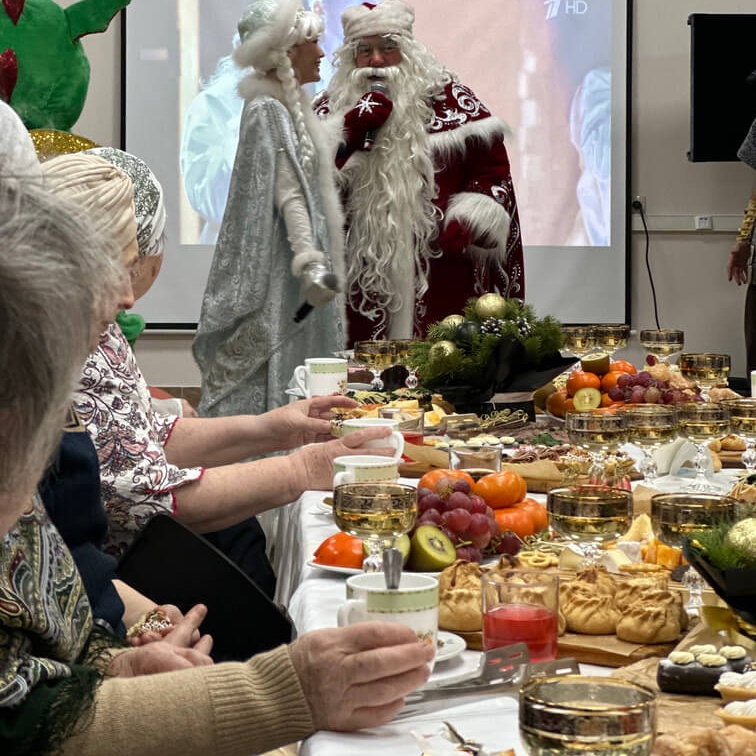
[[392, 567]]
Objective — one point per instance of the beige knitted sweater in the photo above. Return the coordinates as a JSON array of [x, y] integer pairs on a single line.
[[221, 710]]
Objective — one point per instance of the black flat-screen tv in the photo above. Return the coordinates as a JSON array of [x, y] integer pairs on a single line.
[[722, 89]]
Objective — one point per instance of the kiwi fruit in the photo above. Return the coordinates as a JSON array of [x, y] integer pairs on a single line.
[[401, 542], [598, 363], [541, 394], [431, 550]]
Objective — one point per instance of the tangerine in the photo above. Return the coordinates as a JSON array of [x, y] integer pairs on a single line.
[[580, 379], [623, 366]]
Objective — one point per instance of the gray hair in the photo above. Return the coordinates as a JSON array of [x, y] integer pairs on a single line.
[[54, 269]]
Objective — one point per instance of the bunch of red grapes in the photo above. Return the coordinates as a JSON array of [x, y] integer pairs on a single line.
[[642, 387], [464, 517]]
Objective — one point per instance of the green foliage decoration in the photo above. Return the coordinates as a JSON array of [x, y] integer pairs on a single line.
[[473, 355]]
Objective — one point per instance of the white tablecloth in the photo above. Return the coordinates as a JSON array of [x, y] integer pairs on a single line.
[[312, 596]]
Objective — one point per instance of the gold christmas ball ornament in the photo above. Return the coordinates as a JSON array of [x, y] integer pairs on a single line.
[[453, 320], [442, 349], [742, 536], [491, 306], [50, 143]]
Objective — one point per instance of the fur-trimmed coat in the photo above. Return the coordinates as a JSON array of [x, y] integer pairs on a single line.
[[247, 343], [474, 187]]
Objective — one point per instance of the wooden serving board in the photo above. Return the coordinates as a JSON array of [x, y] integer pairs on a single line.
[[608, 650]]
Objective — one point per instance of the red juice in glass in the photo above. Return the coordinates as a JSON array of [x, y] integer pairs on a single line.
[[535, 626], [413, 437]]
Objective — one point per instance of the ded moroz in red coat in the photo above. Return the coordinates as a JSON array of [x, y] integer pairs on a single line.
[[474, 186]]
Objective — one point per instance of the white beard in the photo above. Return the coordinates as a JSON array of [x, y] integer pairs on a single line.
[[391, 218]]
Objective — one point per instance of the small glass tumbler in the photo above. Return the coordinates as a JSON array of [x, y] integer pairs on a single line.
[[521, 606]]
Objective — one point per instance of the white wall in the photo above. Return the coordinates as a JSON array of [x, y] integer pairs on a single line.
[[688, 266]]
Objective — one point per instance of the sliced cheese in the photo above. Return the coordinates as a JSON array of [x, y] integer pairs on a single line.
[[611, 559]]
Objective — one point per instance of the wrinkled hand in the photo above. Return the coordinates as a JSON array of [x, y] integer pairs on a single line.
[[455, 238], [174, 651], [356, 677], [305, 421], [737, 264], [370, 113], [314, 463]]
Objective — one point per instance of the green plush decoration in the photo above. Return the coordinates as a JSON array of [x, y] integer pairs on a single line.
[[131, 324], [44, 73]]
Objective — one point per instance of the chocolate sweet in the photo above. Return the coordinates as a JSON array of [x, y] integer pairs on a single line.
[[697, 670]]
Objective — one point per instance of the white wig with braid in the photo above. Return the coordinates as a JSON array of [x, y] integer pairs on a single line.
[[268, 30]]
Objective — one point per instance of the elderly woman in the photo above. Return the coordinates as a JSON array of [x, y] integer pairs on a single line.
[[281, 226], [187, 467], [57, 692]]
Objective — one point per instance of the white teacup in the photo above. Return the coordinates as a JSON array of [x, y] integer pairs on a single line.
[[414, 603], [395, 440], [364, 468], [321, 376]]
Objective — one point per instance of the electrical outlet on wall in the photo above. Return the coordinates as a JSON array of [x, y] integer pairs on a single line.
[[639, 203], [703, 223]]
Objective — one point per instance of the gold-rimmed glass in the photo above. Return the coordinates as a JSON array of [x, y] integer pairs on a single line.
[[699, 423], [662, 343], [705, 370], [376, 513], [376, 356], [578, 340], [581, 715], [650, 426], [590, 515], [598, 432], [743, 424], [611, 337], [675, 515], [403, 349]]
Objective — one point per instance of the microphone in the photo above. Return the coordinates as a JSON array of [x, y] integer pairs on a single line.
[[376, 86], [320, 286]]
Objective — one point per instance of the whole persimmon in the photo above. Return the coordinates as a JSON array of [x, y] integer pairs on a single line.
[[517, 520], [340, 550], [580, 379], [432, 478], [537, 511], [501, 489]]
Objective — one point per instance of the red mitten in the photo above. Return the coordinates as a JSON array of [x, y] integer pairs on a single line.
[[370, 113], [454, 238]]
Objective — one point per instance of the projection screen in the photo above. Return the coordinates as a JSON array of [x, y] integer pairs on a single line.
[[555, 70]]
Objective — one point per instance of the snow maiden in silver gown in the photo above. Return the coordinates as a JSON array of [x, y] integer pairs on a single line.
[[283, 213]]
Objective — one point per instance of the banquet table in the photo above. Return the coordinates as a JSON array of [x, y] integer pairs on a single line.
[[312, 596]]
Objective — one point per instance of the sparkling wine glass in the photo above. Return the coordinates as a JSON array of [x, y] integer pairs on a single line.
[[610, 338], [662, 343], [675, 515], [375, 512], [376, 356], [599, 432], [650, 426], [403, 348], [590, 515], [582, 715], [743, 423], [705, 369], [578, 340], [699, 423]]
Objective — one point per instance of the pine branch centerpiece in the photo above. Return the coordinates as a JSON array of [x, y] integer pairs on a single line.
[[482, 349]]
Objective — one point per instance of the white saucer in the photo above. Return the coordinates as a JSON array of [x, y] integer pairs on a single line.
[[452, 646]]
